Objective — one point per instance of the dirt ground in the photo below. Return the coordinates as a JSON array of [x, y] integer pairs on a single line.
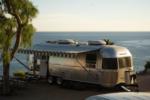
[[144, 82], [45, 91]]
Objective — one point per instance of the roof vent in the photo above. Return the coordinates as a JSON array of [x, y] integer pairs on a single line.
[[67, 41], [97, 42]]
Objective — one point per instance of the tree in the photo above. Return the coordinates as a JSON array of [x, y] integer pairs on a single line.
[[109, 42], [147, 66], [15, 30]]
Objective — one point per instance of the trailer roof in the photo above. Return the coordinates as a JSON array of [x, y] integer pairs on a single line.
[[59, 48]]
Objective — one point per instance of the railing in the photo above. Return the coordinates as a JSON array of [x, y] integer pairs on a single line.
[[14, 83]]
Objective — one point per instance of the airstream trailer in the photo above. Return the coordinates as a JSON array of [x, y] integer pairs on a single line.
[[105, 65]]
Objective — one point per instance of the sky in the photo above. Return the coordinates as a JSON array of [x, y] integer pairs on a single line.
[[92, 15]]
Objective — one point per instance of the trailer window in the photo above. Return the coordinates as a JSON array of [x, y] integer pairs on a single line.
[[91, 60], [124, 62], [109, 63]]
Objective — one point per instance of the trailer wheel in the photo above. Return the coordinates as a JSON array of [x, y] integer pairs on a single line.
[[59, 81], [50, 80]]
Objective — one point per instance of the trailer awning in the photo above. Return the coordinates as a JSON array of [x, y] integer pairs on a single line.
[[58, 48]]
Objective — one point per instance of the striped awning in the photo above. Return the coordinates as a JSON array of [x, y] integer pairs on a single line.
[[51, 49]]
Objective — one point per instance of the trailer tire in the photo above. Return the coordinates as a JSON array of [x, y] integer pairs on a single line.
[[59, 81], [50, 79]]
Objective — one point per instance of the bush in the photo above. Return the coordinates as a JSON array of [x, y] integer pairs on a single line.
[[19, 74], [147, 66]]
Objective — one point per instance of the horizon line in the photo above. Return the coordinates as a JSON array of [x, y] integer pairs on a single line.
[[92, 31]]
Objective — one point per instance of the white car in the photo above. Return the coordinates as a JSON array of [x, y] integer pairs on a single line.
[[122, 96]]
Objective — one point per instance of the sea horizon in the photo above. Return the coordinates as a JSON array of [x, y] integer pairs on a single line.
[[95, 31]]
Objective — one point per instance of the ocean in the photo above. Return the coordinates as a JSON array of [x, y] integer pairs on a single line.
[[137, 42]]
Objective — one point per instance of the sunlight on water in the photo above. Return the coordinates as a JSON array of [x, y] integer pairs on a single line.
[[137, 43]]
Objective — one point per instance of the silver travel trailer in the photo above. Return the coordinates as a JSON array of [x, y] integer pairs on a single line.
[[94, 62]]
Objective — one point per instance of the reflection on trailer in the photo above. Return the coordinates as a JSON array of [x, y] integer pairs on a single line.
[[95, 63]]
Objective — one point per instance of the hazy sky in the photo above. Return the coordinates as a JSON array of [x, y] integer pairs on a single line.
[[92, 15]]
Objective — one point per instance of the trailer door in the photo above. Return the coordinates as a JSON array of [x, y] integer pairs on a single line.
[[43, 67], [92, 73]]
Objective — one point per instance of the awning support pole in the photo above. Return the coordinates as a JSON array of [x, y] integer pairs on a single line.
[[22, 63]]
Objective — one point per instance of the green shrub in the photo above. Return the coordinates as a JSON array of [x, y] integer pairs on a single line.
[[147, 66], [19, 74]]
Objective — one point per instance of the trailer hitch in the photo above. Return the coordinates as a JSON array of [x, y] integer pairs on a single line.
[[130, 88], [125, 88]]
